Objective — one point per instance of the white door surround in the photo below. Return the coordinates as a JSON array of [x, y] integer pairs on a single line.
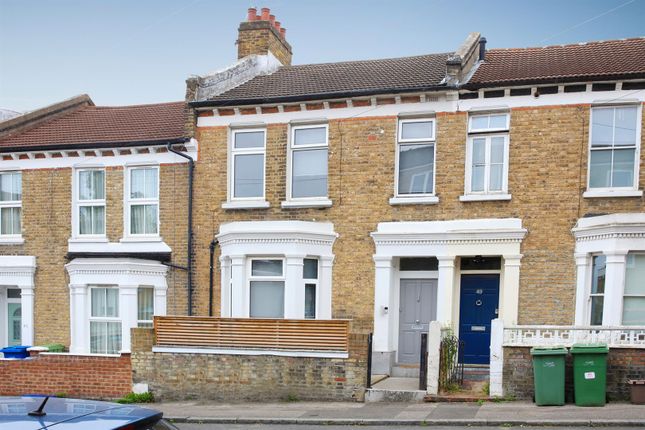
[[292, 241], [128, 274], [18, 272], [614, 236], [445, 240]]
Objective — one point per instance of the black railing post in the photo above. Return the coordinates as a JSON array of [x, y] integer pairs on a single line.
[[368, 383], [423, 363]]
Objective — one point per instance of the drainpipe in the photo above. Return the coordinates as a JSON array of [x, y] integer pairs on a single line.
[[211, 247], [189, 258]]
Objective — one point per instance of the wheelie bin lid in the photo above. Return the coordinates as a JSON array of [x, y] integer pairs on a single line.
[[549, 350], [589, 348]]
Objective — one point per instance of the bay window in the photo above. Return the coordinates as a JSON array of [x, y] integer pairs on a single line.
[[10, 204], [308, 162], [105, 325], [90, 202], [142, 201], [145, 306], [310, 276], [597, 295], [634, 296], [487, 157], [266, 286], [614, 148]]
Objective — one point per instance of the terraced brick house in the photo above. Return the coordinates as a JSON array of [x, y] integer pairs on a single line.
[[92, 207], [498, 192]]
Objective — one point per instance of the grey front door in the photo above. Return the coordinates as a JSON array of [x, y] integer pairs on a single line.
[[418, 306]]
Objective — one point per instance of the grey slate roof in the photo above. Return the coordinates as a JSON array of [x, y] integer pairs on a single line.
[[329, 80]]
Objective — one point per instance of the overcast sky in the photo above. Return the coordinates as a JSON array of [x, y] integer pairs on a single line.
[[129, 52]]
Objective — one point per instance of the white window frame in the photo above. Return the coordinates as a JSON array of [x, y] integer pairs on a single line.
[[246, 151], [12, 204], [315, 282], [252, 278], [292, 149], [129, 202], [78, 203], [626, 295], [146, 323], [610, 191], [431, 141], [590, 294], [487, 164], [487, 134], [91, 319]]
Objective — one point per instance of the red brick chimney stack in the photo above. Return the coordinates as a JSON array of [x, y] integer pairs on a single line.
[[260, 34]]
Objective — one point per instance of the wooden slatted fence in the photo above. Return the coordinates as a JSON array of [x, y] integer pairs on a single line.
[[255, 333]]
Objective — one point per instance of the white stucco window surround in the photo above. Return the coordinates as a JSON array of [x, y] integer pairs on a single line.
[[445, 240], [125, 274], [615, 237], [288, 241], [18, 272]]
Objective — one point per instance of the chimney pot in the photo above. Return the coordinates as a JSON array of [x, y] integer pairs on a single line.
[[265, 13], [251, 14], [482, 48], [271, 19], [277, 26], [283, 32]]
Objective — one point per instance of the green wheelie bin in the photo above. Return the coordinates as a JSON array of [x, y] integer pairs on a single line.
[[590, 374], [548, 375]]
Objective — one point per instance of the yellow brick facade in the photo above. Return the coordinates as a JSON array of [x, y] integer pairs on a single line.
[[547, 176]]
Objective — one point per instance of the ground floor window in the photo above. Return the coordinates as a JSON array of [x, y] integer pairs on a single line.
[[267, 288], [310, 276], [14, 317], [105, 325], [145, 306], [597, 296], [634, 296]]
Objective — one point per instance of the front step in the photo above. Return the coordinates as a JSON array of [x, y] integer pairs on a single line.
[[405, 371], [395, 390], [476, 373]]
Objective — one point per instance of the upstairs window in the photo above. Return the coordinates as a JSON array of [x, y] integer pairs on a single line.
[[247, 164], [415, 158], [142, 201], [10, 203], [487, 154], [309, 153], [90, 200], [614, 145]]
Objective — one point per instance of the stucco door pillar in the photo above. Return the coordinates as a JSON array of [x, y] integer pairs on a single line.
[[612, 313], [383, 312], [511, 289], [445, 289], [27, 314]]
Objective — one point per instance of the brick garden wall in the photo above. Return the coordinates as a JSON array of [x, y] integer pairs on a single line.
[[174, 376], [69, 375], [622, 364]]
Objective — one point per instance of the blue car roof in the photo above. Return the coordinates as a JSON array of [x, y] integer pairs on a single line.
[[70, 414]]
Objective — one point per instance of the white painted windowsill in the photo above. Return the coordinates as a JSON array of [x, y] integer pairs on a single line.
[[250, 351], [249, 204], [12, 240], [427, 200], [318, 203], [140, 239], [612, 193], [483, 197], [81, 239]]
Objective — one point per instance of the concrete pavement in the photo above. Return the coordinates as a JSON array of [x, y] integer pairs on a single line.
[[453, 414]]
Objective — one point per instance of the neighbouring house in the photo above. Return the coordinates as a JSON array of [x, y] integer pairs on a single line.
[[93, 214], [496, 191]]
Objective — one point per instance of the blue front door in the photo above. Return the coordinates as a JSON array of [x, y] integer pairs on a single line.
[[478, 306]]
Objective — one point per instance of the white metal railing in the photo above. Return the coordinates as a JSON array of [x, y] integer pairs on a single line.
[[552, 335]]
